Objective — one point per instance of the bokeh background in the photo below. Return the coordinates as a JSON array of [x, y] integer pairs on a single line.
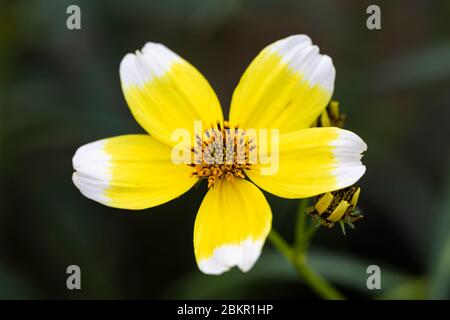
[[59, 89]]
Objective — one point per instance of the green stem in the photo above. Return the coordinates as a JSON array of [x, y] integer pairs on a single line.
[[297, 255], [281, 245], [314, 280], [309, 233], [322, 287], [300, 226]]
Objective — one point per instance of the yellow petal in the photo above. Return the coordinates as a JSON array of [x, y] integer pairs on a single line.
[[232, 223], [355, 197], [339, 211], [325, 119], [313, 161], [286, 87], [324, 202], [165, 92], [130, 172], [334, 109]]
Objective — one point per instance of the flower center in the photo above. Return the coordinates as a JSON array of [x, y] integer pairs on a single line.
[[222, 153]]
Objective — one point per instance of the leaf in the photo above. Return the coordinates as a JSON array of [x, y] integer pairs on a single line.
[[350, 272], [13, 286], [439, 266], [343, 270], [271, 266], [423, 67], [415, 289]]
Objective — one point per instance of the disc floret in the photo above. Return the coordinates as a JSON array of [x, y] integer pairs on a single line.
[[222, 153]]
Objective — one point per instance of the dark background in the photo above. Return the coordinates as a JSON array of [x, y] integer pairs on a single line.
[[60, 89]]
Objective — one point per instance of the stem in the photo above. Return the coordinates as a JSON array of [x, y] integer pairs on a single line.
[[298, 258], [314, 280], [281, 245], [322, 287], [310, 232], [300, 225]]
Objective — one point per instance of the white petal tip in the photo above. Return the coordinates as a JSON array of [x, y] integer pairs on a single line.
[[91, 164], [284, 45], [90, 188], [348, 153], [153, 61], [225, 257], [349, 175], [90, 152], [303, 57]]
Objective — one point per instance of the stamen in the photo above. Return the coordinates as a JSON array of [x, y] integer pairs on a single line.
[[223, 153]]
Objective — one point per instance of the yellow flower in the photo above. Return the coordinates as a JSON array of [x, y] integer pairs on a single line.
[[285, 88], [337, 206]]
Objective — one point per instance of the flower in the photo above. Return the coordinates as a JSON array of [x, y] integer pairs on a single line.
[[337, 206], [285, 89], [331, 117], [340, 205]]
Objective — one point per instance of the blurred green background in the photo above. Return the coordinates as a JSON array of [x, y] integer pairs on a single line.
[[59, 89]]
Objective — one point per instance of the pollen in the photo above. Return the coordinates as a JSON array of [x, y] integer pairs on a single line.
[[222, 153]]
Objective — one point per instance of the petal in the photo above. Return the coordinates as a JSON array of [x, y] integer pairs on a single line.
[[130, 172], [286, 87], [313, 161], [231, 225], [339, 211], [165, 92]]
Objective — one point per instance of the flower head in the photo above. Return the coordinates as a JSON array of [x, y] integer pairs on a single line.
[[283, 91], [336, 206]]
